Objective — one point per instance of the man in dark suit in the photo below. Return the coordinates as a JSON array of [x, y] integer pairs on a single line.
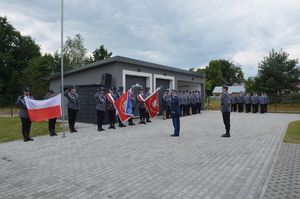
[[23, 114], [175, 113], [73, 106], [225, 109]]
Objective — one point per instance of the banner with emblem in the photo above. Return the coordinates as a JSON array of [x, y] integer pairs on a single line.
[[39, 110], [123, 107], [152, 104]]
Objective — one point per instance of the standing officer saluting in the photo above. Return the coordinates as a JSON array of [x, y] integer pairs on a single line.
[[23, 114], [51, 122], [175, 113], [73, 106], [111, 109], [225, 109], [100, 107], [119, 94]]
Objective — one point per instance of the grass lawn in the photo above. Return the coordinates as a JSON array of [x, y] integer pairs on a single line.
[[292, 134], [11, 129]]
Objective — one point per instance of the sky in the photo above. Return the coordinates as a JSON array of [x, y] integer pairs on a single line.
[[178, 33]]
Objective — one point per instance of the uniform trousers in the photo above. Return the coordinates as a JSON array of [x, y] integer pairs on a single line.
[[233, 107], [176, 124], [142, 114], [194, 108], [241, 107], [72, 113], [254, 108], [100, 117], [130, 120], [147, 116], [26, 124], [198, 107], [266, 108], [181, 109], [51, 124], [226, 120], [248, 108], [112, 116], [168, 111], [262, 108], [186, 109]]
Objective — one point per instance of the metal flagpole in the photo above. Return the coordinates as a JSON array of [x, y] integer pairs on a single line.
[[62, 66]]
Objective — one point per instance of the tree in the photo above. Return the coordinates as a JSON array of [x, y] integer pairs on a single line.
[[214, 73], [15, 52], [251, 85], [74, 52], [278, 73], [98, 55], [230, 72]]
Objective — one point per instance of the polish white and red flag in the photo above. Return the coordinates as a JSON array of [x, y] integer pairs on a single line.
[[152, 104], [39, 110]]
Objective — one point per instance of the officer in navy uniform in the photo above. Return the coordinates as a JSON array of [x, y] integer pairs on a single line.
[[100, 98], [141, 106], [240, 101], [147, 94], [111, 109], [234, 101], [23, 114], [190, 103], [225, 109], [51, 122], [175, 113], [186, 103], [73, 106], [169, 103], [199, 104], [254, 102], [181, 102], [261, 102], [194, 102], [133, 104], [247, 102], [119, 94]]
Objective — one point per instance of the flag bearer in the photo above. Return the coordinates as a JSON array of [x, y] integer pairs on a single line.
[[23, 114], [51, 122], [111, 109]]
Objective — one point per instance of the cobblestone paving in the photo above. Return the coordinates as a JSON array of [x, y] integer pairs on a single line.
[[145, 162], [285, 178]]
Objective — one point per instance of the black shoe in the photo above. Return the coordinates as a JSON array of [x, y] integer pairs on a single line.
[[140, 122], [114, 127], [25, 140], [30, 139], [131, 124], [226, 135], [51, 134], [54, 134], [74, 130], [173, 135], [110, 127], [148, 121], [144, 123], [124, 125], [121, 125], [99, 129], [102, 129]]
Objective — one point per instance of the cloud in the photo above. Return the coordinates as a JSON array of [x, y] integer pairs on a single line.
[[177, 33]]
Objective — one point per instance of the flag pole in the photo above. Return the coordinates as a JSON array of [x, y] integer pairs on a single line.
[[62, 66]]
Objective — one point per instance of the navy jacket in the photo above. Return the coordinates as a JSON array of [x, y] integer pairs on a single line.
[[225, 102], [73, 100], [109, 104], [140, 102], [164, 101], [21, 102], [175, 109], [247, 99], [101, 101]]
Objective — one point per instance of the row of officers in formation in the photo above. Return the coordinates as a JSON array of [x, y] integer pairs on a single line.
[[103, 104], [238, 101]]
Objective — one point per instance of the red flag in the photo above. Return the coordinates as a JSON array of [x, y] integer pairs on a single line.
[[122, 107], [39, 110], [152, 104]]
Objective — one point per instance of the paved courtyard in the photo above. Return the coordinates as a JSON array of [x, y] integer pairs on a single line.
[[145, 162]]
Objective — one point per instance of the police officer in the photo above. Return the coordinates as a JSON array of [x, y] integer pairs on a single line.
[[168, 103], [247, 102], [73, 106], [186, 103], [225, 109], [147, 94], [119, 94], [100, 107], [23, 114], [175, 113], [234, 101], [111, 109], [194, 106], [261, 101], [240, 101], [164, 102], [254, 102], [198, 101], [266, 101], [141, 106], [51, 122], [181, 102], [133, 104]]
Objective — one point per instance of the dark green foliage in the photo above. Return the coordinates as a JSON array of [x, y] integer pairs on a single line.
[[98, 55]]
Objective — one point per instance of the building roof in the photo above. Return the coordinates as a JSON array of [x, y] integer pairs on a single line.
[[218, 89], [124, 60]]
